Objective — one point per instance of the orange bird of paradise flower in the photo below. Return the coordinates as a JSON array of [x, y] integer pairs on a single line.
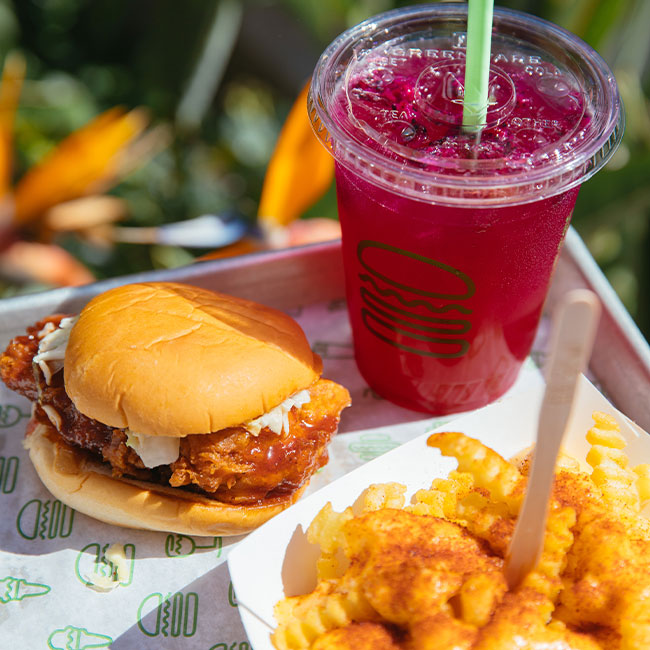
[[299, 172], [64, 192]]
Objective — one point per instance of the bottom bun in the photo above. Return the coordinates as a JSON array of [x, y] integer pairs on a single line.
[[88, 487]]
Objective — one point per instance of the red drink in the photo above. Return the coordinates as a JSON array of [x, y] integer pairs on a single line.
[[450, 239], [425, 319]]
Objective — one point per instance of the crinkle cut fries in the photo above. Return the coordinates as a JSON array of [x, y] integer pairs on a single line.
[[428, 575]]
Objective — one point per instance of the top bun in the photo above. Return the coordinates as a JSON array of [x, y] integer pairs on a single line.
[[168, 359]]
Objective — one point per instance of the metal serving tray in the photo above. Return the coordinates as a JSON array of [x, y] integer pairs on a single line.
[[176, 593], [284, 279]]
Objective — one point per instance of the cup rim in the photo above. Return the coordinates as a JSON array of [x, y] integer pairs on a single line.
[[530, 184]]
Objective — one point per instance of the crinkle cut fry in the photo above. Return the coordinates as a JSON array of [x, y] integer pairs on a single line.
[[486, 519], [606, 582], [441, 499], [382, 495], [302, 619], [489, 469], [557, 541], [610, 472], [635, 624], [326, 530], [643, 482]]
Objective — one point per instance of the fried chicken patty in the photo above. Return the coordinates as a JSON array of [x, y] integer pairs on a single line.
[[231, 465]]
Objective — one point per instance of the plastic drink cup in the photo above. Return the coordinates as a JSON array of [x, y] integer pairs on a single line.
[[450, 237]]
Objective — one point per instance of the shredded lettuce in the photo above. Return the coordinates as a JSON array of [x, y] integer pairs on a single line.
[[277, 419], [51, 349], [154, 450]]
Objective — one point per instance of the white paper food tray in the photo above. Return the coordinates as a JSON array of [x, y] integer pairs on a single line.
[[276, 560]]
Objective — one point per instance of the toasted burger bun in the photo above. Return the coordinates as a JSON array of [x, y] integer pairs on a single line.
[[231, 359], [88, 487]]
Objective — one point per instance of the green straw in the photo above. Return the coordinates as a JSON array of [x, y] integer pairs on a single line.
[[477, 64]]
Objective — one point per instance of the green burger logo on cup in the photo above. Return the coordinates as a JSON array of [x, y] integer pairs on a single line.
[[413, 302]]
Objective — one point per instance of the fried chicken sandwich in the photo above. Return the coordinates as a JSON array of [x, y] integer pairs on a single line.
[[168, 407]]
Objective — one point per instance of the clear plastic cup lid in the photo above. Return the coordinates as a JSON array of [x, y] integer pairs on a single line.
[[387, 99]]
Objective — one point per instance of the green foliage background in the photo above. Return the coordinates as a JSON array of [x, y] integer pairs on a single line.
[[87, 55]]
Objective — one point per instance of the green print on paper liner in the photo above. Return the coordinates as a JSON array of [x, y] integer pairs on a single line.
[[174, 614], [372, 394], [338, 304], [77, 638], [10, 415], [15, 589], [177, 545], [47, 519], [333, 350], [237, 645], [391, 313], [372, 445], [8, 473], [93, 568]]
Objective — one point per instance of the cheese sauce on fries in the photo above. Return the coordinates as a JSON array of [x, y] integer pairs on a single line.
[[428, 575]]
